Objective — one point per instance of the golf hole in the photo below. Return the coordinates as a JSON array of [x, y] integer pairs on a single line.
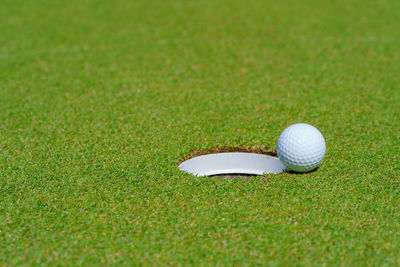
[[232, 163]]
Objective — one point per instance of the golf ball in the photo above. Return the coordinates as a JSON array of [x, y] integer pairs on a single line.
[[301, 147]]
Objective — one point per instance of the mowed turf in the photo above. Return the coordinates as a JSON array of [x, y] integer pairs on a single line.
[[99, 101]]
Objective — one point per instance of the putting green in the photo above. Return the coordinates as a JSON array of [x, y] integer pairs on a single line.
[[100, 100]]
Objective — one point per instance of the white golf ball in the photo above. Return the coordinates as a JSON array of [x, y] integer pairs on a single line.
[[301, 147]]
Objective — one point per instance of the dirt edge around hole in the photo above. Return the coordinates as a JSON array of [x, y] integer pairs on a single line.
[[258, 149]]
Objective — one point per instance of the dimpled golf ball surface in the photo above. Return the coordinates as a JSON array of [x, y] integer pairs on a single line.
[[301, 147]]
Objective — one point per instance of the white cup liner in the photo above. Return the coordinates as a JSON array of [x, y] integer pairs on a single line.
[[232, 163]]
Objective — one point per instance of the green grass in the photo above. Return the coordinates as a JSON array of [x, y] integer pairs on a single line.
[[99, 100]]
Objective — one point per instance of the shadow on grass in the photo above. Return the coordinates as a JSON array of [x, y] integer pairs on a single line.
[[242, 175], [233, 176], [301, 173]]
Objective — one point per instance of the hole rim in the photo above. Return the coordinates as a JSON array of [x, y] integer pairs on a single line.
[[232, 163], [257, 149]]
